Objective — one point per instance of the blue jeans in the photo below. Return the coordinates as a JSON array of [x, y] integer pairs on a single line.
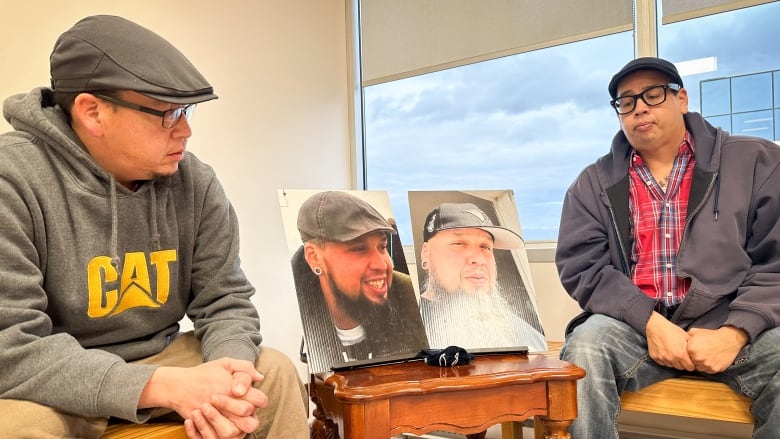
[[615, 358]]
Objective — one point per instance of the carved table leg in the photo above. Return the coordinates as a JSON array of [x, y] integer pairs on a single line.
[[477, 435], [321, 427], [555, 429]]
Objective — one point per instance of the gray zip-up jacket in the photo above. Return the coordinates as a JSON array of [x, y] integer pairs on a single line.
[[93, 275], [730, 247]]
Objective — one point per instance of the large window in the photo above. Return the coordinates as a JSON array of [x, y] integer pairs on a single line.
[[531, 122], [743, 104], [528, 122], [735, 86]]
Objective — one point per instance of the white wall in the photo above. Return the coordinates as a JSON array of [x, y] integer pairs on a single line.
[[280, 69], [555, 306]]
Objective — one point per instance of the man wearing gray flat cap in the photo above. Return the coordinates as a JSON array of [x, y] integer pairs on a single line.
[[462, 303], [112, 233], [354, 305]]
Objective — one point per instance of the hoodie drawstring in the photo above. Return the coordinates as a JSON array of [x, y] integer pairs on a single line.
[[153, 214], [114, 245], [717, 196], [113, 250]]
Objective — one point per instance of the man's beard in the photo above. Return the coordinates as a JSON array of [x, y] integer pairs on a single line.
[[368, 314], [485, 299], [469, 319]]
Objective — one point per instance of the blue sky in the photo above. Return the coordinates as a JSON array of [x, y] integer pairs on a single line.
[[531, 122]]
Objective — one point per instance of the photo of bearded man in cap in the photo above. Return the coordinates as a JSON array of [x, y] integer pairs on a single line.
[[462, 303], [354, 305]]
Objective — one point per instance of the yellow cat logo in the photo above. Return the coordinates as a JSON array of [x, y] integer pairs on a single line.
[[135, 287]]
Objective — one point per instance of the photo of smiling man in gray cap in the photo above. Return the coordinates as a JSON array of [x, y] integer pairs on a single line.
[[112, 232], [353, 304], [462, 303]]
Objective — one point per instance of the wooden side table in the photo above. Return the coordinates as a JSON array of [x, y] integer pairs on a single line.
[[382, 401]]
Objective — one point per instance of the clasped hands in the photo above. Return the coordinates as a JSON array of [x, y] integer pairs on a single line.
[[703, 350], [216, 399]]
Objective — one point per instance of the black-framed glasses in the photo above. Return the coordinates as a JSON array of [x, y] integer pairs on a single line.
[[653, 96], [169, 117]]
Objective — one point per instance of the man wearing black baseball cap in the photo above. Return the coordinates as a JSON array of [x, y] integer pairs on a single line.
[[669, 244], [461, 301], [646, 63], [354, 305], [112, 232]]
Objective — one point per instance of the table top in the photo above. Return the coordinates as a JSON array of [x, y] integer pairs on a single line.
[[484, 371]]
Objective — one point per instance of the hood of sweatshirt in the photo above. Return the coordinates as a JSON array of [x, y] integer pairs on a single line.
[[36, 115]]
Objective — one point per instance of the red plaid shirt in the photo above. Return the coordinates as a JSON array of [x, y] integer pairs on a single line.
[[657, 223]]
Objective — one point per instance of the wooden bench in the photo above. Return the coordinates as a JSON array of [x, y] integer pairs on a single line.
[[689, 397], [162, 430]]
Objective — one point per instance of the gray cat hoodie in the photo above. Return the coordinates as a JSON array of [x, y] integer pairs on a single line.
[[94, 275]]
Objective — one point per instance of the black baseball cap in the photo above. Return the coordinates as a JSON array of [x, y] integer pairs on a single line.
[[448, 216], [338, 217], [645, 63], [106, 52]]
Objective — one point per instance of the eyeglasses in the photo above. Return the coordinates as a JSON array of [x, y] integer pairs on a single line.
[[169, 117], [653, 96]]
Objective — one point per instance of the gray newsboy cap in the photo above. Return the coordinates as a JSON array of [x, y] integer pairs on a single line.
[[105, 52], [338, 216], [448, 216]]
